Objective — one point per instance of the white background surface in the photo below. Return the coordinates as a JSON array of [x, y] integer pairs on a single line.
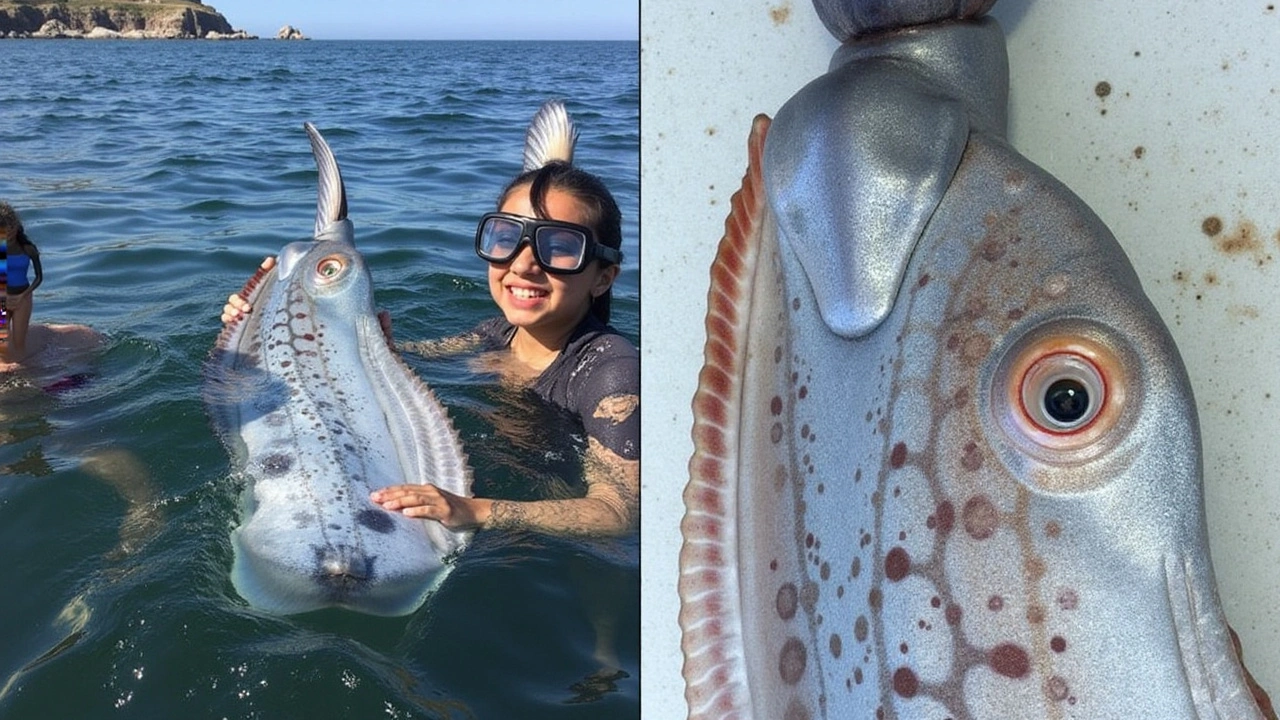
[[1196, 85]]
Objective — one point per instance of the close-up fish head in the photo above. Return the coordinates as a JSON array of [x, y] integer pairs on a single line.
[[947, 460]]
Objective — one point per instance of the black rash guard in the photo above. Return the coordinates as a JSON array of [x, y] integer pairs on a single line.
[[596, 363]]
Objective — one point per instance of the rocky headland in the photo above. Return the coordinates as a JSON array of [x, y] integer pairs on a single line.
[[96, 19]]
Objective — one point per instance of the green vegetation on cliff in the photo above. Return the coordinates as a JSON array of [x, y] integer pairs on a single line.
[[137, 18]]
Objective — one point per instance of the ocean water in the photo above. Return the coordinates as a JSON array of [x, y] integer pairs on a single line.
[[154, 176]]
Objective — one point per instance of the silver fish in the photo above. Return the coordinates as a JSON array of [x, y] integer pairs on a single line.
[[947, 461], [319, 412]]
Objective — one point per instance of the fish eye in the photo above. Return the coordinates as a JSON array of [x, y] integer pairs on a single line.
[[329, 267], [1063, 392]]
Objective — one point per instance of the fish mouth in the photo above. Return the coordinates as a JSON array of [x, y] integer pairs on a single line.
[[343, 569]]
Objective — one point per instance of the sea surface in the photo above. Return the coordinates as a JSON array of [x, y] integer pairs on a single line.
[[154, 176]]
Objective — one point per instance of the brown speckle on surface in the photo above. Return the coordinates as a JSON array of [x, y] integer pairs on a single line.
[[1139, 151], [1243, 239], [1212, 225], [780, 14], [1102, 89]]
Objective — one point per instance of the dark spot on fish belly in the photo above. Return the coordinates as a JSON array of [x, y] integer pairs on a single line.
[[277, 464], [378, 521]]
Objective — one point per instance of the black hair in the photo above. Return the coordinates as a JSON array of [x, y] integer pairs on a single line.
[[602, 214], [9, 218]]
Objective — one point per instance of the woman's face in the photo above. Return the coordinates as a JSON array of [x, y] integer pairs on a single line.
[[533, 299]]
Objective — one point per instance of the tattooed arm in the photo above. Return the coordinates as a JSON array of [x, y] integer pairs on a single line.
[[439, 347], [609, 406], [611, 505]]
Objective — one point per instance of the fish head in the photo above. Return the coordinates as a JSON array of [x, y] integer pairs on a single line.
[[987, 503], [331, 273]]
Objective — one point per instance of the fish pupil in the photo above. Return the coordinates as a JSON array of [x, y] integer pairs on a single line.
[[1066, 400]]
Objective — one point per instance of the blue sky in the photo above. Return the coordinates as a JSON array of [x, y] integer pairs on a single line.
[[438, 19]]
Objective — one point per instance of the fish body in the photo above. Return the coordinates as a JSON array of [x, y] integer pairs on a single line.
[[319, 412], [947, 462]]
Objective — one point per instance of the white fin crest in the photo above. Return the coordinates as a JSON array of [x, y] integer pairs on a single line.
[[551, 136]]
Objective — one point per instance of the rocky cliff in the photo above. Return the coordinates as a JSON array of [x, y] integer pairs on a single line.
[[98, 19]]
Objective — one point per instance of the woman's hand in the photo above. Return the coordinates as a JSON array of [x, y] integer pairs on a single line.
[[237, 307], [428, 501]]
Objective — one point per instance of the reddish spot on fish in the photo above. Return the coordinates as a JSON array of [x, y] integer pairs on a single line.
[[972, 458], [787, 601], [905, 682], [953, 614], [775, 405], [1058, 644], [897, 564], [797, 711], [946, 515], [980, 517], [898, 456], [995, 603], [1056, 688], [1010, 661], [860, 628], [1068, 599], [792, 660]]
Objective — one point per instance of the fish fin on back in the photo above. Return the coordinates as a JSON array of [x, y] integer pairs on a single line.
[[551, 136], [331, 194], [714, 677]]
